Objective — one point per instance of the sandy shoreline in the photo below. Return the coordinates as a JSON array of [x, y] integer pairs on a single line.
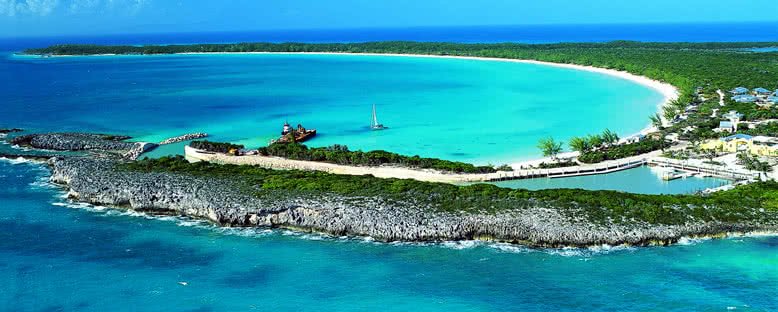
[[668, 91]]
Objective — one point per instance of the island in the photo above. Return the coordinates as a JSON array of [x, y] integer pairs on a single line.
[[694, 129], [394, 209]]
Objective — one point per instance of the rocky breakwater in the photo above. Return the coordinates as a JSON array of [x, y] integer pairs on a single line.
[[228, 203], [185, 137]]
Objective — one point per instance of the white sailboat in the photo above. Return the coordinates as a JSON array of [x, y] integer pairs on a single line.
[[374, 125]]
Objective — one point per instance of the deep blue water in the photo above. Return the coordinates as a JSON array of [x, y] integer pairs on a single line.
[[58, 256], [698, 32]]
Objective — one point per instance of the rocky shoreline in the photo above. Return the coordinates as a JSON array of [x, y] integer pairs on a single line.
[[102, 178], [98, 181]]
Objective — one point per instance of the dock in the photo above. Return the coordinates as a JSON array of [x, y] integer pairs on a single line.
[[704, 169]]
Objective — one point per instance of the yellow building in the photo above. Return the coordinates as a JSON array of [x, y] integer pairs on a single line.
[[755, 145]]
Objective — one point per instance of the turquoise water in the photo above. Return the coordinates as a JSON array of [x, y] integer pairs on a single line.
[[469, 110], [56, 256], [764, 50], [643, 180]]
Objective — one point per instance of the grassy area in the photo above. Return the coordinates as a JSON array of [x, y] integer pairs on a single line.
[[741, 204]]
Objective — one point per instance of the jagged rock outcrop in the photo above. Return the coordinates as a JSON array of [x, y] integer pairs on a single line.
[[74, 142], [11, 130], [222, 201]]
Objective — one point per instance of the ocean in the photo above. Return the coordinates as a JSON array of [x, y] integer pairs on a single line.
[[467, 110], [695, 32], [60, 256]]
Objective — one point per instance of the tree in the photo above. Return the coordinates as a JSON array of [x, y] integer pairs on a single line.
[[595, 140], [669, 112], [656, 120], [579, 144], [609, 137], [549, 147]]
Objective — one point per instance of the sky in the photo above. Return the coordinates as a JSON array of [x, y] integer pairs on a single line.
[[28, 18]]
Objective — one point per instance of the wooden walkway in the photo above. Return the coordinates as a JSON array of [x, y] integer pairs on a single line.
[[572, 171], [713, 170]]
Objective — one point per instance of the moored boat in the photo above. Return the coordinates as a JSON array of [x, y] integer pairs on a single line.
[[374, 124], [292, 135]]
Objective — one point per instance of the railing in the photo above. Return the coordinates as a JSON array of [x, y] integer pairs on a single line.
[[573, 171], [713, 170]]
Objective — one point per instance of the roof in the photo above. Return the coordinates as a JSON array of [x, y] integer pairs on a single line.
[[773, 99], [744, 98], [725, 125], [739, 90], [738, 136], [761, 90]]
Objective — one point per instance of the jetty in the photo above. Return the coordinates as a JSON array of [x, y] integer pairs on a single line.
[[185, 137]]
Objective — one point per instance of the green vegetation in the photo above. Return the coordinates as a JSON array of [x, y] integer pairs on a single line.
[[753, 163], [741, 204], [558, 164], [549, 147], [216, 147], [766, 129], [621, 151], [340, 154], [685, 65], [593, 141]]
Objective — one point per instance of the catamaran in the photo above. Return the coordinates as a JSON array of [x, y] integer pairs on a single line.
[[374, 125]]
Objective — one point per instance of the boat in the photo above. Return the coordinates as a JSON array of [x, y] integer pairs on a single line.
[[292, 135], [374, 125]]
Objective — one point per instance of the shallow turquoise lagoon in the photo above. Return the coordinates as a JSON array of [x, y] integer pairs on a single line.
[[469, 110], [642, 180], [56, 256]]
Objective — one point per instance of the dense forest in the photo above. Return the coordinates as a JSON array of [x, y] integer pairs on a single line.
[[340, 154]]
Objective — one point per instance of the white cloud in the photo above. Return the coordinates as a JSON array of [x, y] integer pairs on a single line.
[[27, 7], [11, 8]]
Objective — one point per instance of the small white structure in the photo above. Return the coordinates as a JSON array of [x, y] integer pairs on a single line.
[[632, 139], [734, 118]]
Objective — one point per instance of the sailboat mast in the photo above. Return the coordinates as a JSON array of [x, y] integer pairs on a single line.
[[374, 122]]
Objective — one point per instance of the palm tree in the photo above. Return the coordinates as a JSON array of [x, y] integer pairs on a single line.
[[656, 120], [595, 140], [549, 147], [609, 137], [579, 144]]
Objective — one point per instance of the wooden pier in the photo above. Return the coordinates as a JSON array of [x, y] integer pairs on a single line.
[[705, 169], [566, 172]]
